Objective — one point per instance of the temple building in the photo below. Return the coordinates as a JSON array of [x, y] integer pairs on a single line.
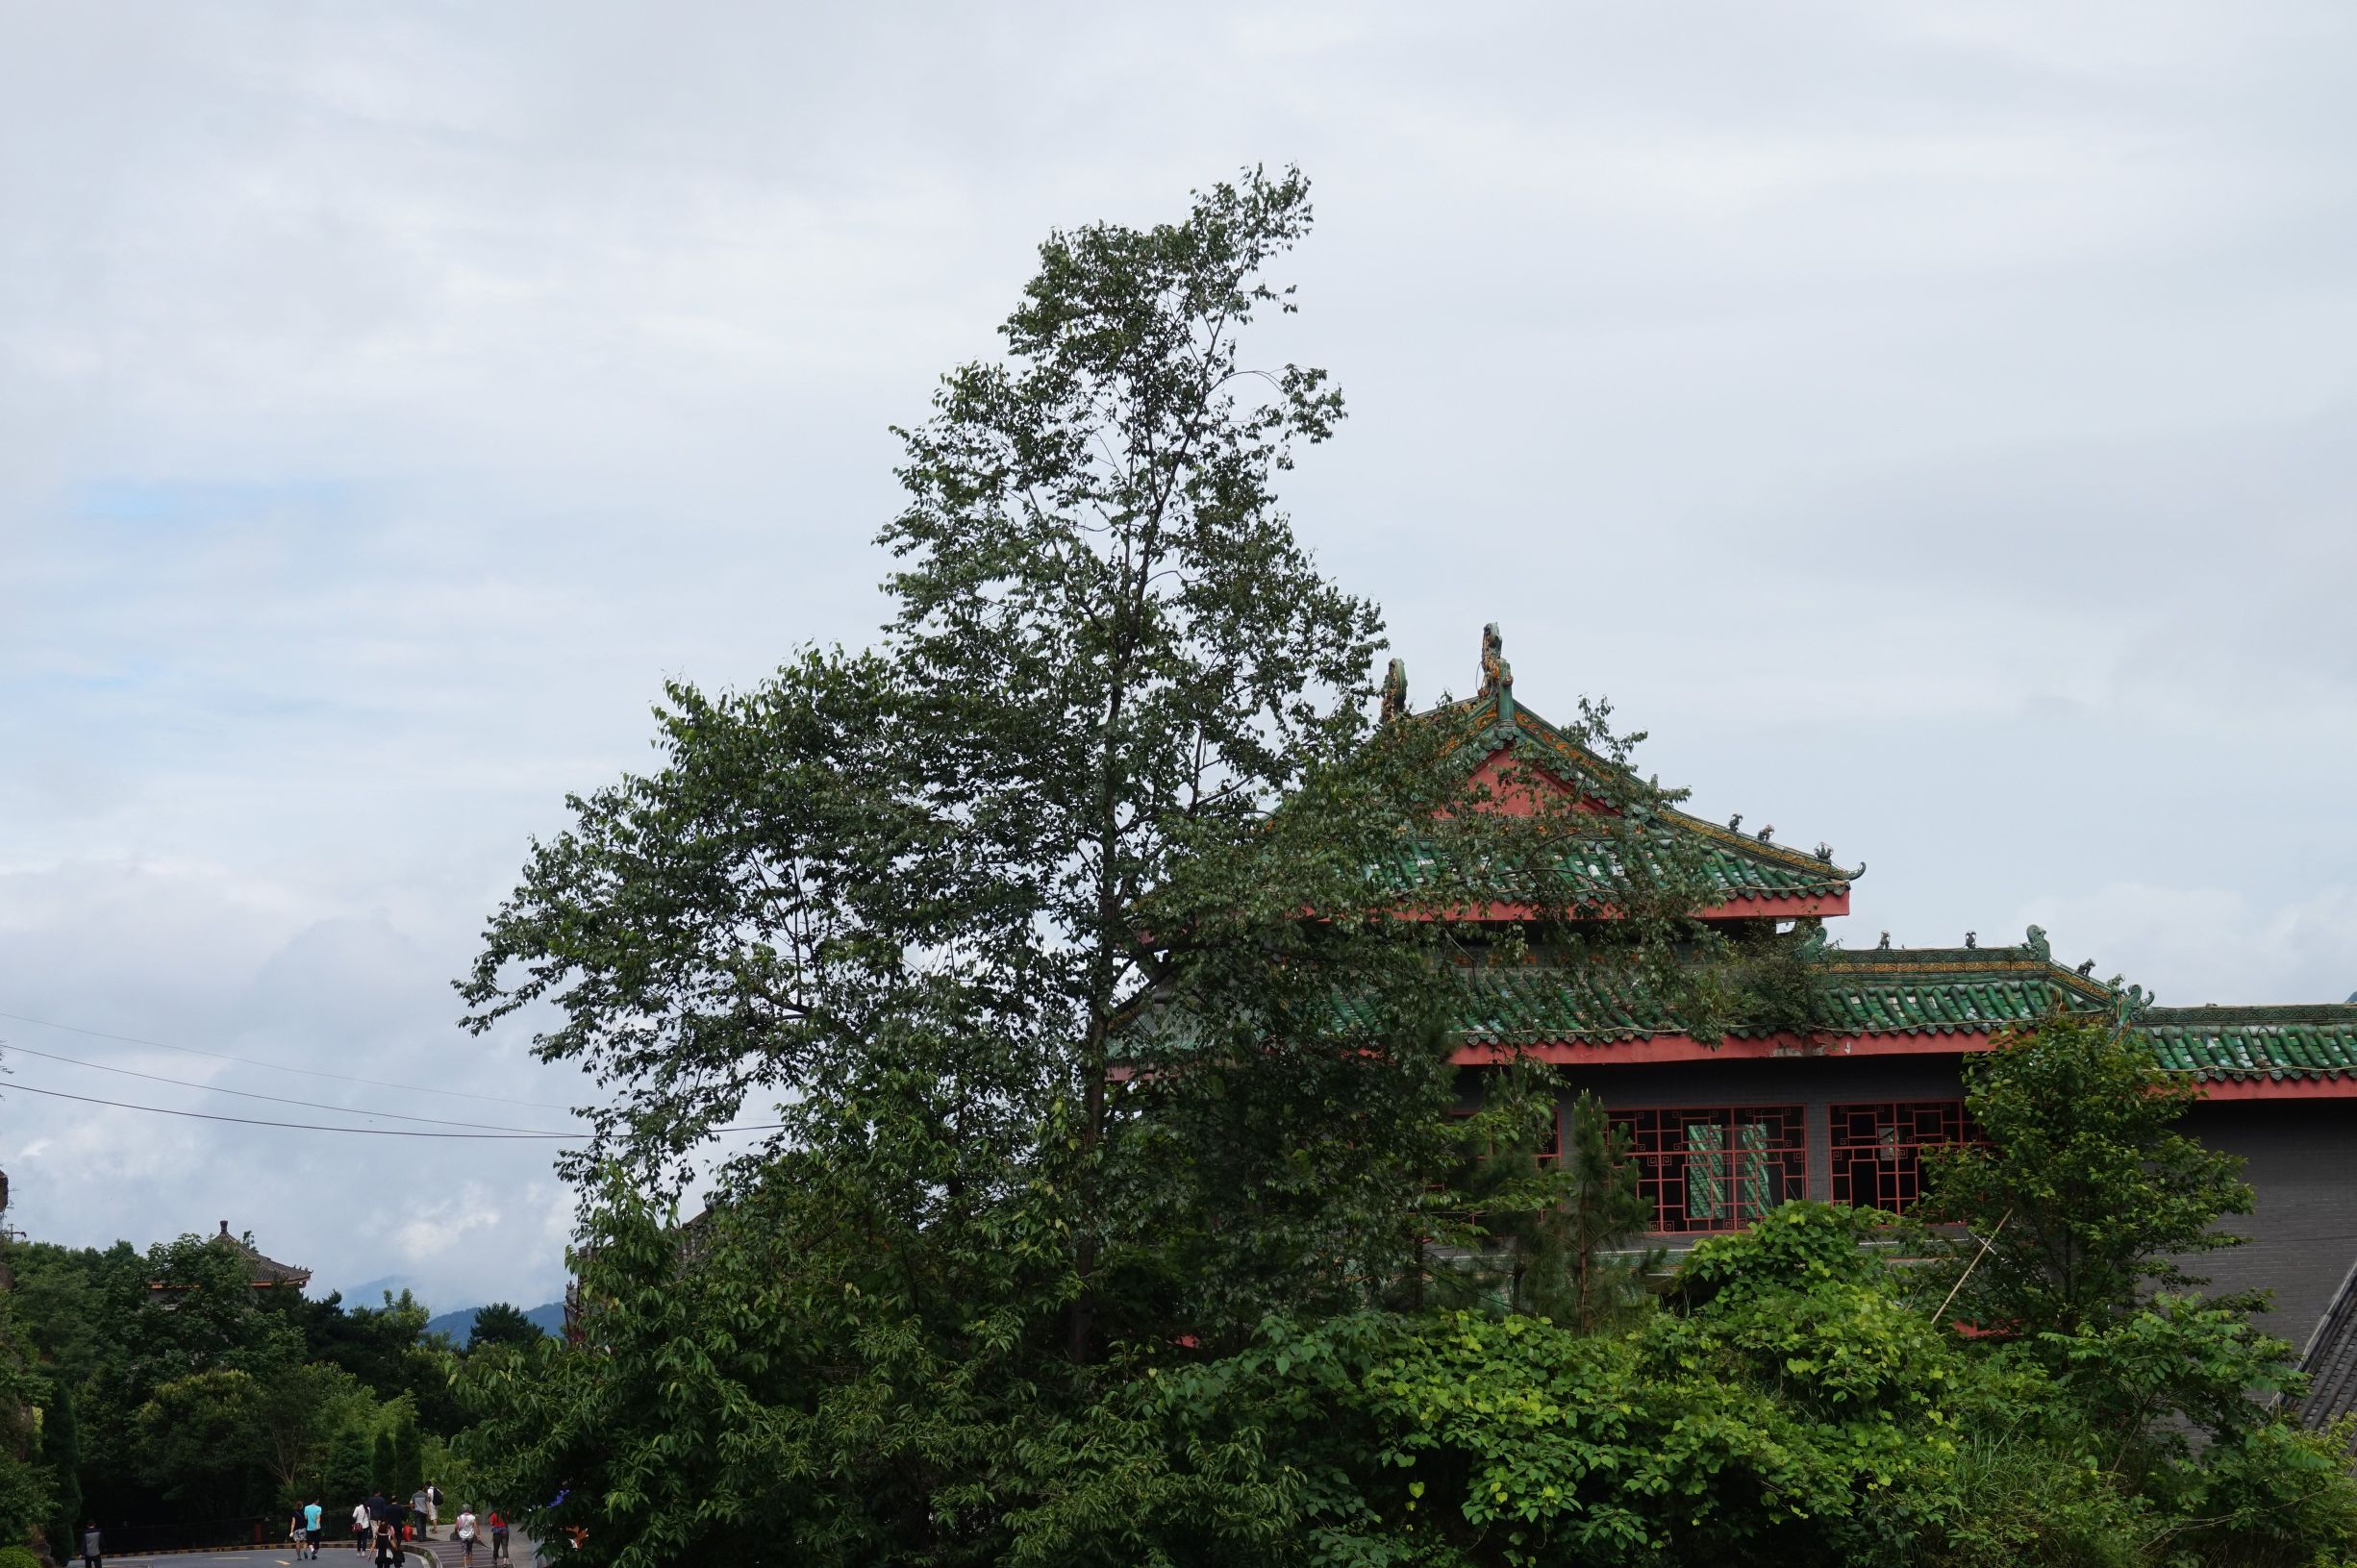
[[1841, 1109], [261, 1273]]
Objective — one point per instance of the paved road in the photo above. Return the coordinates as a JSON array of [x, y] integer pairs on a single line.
[[283, 1556]]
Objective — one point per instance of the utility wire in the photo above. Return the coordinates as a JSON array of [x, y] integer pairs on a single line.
[[282, 1067], [309, 1127], [273, 1099], [313, 1127]]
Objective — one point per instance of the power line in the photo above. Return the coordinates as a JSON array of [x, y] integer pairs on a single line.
[[299, 1126], [282, 1067], [369, 1131], [273, 1099]]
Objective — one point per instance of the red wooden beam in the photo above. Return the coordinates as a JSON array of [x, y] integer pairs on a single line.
[[1659, 1048]]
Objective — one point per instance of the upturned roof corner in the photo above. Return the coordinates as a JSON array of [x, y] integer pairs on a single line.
[[1747, 864]]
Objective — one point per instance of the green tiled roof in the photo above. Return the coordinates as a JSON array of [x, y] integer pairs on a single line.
[[2227, 1044], [1949, 990], [1738, 865], [1732, 874], [1884, 991], [1925, 991], [1543, 1003]]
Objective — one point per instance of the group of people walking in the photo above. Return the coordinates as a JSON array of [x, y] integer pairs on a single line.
[[386, 1527]]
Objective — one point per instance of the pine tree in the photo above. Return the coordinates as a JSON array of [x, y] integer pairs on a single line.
[[347, 1474], [501, 1323], [409, 1473], [1601, 1213], [61, 1452], [1563, 1233]]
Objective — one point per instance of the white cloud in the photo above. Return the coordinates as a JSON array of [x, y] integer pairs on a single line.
[[2193, 945], [435, 1231], [1930, 426]]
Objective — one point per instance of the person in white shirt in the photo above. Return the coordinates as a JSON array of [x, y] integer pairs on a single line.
[[360, 1527], [463, 1530]]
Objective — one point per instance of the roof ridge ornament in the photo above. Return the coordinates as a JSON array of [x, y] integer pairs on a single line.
[[1496, 675], [2038, 946], [1394, 691]]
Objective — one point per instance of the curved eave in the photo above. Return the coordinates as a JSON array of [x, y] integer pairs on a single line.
[[1740, 906], [1631, 1048], [1779, 905], [1485, 729]]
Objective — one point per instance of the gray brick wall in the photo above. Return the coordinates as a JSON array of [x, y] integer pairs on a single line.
[[2301, 1161]]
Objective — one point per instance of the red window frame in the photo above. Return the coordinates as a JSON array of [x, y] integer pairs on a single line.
[[1717, 1167], [1876, 1148]]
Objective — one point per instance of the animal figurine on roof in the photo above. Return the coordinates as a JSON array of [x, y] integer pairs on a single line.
[[1396, 691], [1495, 672]]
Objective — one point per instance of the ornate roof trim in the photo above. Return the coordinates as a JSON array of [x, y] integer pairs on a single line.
[[1498, 727]]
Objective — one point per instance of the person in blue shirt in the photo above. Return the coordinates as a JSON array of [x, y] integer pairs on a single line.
[[312, 1516]]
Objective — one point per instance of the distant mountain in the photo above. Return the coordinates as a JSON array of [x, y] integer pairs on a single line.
[[375, 1290], [460, 1324]]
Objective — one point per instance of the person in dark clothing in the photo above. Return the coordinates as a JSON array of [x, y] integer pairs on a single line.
[[94, 1549]]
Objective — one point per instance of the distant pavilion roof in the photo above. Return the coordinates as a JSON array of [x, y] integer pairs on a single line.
[[265, 1274]]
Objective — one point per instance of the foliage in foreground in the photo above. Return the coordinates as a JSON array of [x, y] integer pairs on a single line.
[[803, 1374], [1792, 1402], [209, 1402]]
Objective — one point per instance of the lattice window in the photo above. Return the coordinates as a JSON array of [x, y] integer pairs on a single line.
[[1878, 1150], [1717, 1169]]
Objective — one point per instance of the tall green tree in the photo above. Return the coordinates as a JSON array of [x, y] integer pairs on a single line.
[[60, 1452], [1095, 941], [407, 1450], [501, 1323], [2087, 1193], [27, 1500], [199, 1434], [1591, 1272], [346, 1472], [1044, 817]]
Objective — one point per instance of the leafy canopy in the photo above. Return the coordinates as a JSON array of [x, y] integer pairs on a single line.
[[2085, 1193], [501, 1323]]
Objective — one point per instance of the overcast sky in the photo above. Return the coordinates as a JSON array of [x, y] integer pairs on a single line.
[[1932, 424]]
